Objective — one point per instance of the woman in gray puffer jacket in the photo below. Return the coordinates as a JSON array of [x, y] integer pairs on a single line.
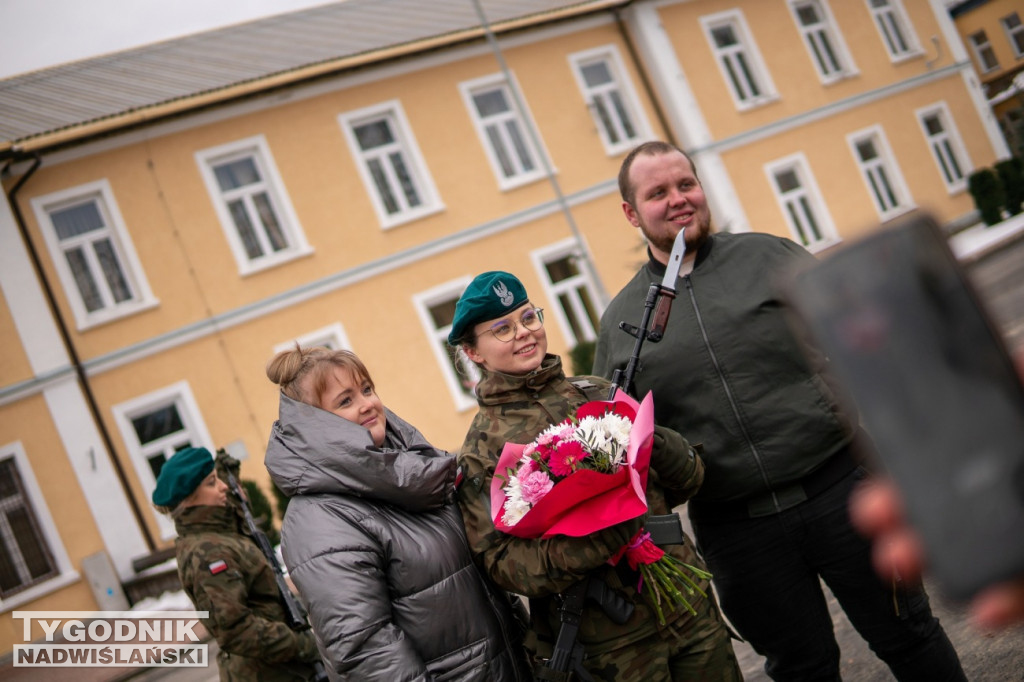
[[373, 538]]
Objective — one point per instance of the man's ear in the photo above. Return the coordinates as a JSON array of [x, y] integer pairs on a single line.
[[630, 212]]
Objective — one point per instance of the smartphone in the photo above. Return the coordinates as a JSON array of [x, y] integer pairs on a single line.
[[909, 338]]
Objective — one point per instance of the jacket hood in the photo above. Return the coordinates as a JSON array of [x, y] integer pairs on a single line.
[[313, 451]]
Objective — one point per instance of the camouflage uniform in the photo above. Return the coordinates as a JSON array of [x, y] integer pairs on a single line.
[[516, 409], [225, 573]]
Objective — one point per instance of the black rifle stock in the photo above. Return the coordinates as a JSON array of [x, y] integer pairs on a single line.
[[294, 613]]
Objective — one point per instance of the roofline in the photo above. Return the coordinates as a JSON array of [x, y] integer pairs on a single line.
[[83, 132]]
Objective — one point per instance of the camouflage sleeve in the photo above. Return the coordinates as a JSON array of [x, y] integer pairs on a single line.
[[532, 568], [220, 578], [678, 467]]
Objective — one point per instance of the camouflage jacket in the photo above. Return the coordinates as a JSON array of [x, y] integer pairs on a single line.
[[225, 573], [516, 409]]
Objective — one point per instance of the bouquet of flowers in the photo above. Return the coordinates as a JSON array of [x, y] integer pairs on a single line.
[[587, 473]]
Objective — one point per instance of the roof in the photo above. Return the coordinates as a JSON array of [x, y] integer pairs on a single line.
[[66, 103]]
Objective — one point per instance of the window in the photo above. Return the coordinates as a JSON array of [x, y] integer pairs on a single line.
[[946, 146], [983, 52], [154, 427], [884, 181], [610, 97], [568, 283], [32, 557], [93, 254], [332, 336], [822, 38], [390, 163], [252, 205], [801, 202], [738, 59], [436, 309], [503, 132], [1014, 33], [894, 27]]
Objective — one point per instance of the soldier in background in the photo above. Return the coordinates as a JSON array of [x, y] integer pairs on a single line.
[[223, 572]]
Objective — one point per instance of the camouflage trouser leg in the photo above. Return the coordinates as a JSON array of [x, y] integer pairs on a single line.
[[702, 652]]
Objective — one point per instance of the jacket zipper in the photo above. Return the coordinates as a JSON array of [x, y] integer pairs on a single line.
[[728, 393]]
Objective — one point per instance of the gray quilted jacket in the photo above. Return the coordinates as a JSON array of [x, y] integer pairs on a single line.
[[375, 544]]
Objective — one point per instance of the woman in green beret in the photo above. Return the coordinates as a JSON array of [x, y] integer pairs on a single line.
[[522, 391], [224, 572], [373, 538]]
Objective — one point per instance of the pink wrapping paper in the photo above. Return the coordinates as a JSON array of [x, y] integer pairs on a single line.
[[586, 501]]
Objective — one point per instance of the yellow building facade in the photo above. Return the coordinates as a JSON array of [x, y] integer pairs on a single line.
[[153, 260]]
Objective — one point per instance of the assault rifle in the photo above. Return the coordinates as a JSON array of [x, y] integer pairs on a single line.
[[295, 615], [658, 305]]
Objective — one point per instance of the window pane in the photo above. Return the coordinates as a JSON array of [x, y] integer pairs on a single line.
[[268, 219], [112, 271], [235, 174], [443, 314], [9, 578], [245, 230], [596, 74], [84, 279], [498, 145], [374, 134], [383, 186], [77, 220], [933, 125], [606, 119], [866, 150], [156, 464], [34, 553], [561, 269], [624, 118], [157, 424], [412, 197], [724, 36], [512, 127], [490, 103], [787, 181]]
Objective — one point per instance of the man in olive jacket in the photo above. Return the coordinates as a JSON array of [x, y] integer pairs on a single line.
[[771, 518]]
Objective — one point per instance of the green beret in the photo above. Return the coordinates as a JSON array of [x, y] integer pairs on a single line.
[[489, 295], [180, 475]]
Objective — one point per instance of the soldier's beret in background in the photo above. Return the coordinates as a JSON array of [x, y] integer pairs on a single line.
[[180, 475], [489, 295]]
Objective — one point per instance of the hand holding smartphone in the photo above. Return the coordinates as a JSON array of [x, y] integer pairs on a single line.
[[908, 337]]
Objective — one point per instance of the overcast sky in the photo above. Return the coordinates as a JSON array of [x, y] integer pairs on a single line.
[[42, 33]]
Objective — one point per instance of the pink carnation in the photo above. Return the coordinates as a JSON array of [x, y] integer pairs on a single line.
[[535, 485], [564, 461]]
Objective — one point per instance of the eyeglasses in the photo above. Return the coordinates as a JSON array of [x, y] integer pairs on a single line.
[[532, 319]]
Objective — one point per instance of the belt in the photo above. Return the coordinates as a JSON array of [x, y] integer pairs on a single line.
[[835, 469]]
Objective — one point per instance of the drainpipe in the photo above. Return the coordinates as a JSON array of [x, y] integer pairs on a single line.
[[83, 380], [644, 78]]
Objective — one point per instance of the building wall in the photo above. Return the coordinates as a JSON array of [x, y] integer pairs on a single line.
[[210, 329]]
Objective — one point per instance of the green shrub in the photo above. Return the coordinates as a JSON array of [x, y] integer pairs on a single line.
[[582, 358], [262, 512], [988, 193], [1011, 175]]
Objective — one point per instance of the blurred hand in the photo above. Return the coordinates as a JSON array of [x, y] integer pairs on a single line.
[[876, 510]]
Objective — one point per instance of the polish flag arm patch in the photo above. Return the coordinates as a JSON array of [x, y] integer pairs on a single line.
[[218, 566]]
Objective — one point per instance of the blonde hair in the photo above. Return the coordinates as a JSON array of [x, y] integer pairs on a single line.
[[302, 372]]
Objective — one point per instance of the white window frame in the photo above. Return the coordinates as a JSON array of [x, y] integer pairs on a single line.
[[423, 301], [570, 288], [620, 88], [983, 50], [194, 431], [892, 23], [821, 38], [747, 52], [522, 120], [882, 168], [101, 194], [66, 574], [404, 144], [331, 336], [257, 149], [1014, 34], [947, 147], [807, 202]]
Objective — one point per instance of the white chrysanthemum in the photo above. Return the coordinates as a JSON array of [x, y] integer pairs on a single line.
[[618, 427], [515, 507]]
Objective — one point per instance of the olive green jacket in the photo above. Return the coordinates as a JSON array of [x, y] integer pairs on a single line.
[[225, 573], [516, 409]]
